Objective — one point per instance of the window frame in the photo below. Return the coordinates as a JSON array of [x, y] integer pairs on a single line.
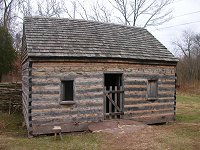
[[62, 101], [148, 93]]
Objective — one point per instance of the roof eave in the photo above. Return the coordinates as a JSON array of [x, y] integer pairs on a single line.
[[105, 59]]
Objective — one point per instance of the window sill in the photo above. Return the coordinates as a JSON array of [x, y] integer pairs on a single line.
[[152, 99], [67, 102]]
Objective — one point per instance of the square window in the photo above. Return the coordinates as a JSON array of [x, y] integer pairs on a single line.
[[67, 90], [152, 89]]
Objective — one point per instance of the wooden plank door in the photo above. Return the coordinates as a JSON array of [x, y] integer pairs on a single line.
[[113, 102]]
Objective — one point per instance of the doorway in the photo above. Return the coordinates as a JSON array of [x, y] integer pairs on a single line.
[[113, 96]]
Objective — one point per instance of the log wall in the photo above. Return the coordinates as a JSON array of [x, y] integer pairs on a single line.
[[46, 110], [26, 93]]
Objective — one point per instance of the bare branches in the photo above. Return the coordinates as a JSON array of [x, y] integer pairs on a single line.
[[156, 16], [83, 13], [6, 8], [25, 7], [100, 13], [49, 8], [188, 68], [94, 11], [72, 13], [122, 7], [146, 12], [185, 45]]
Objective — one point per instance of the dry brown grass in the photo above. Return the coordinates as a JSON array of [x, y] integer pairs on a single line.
[[182, 135]]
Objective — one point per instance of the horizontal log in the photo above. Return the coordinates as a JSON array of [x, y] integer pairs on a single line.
[[162, 95], [151, 119], [46, 92], [172, 89], [38, 97], [149, 76], [149, 106], [45, 80], [46, 88], [127, 82], [169, 82], [89, 96], [70, 127], [57, 74], [39, 106], [148, 112], [67, 119], [91, 79], [84, 91], [144, 101], [90, 103], [57, 81], [136, 89], [89, 66], [134, 95], [89, 83], [38, 84], [78, 78], [49, 106], [166, 86], [65, 113], [134, 86]]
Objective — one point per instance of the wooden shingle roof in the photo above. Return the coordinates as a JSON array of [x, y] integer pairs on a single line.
[[46, 37]]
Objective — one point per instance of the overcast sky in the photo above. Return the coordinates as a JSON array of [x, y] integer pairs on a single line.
[[187, 11]]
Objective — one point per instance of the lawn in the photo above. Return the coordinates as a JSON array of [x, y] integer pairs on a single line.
[[188, 109], [14, 137], [184, 134]]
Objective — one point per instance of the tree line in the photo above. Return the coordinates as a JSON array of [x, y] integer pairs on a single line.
[[188, 67]]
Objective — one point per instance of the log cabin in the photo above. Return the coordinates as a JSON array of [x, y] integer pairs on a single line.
[[75, 72]]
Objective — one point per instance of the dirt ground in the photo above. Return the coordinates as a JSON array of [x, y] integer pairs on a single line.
[[118, 126], [131, 135]]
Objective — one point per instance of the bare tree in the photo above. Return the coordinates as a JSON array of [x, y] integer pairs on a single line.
[[66, 9], [142, 12], [25, 8], [83, 12], [95, 10], [6, 7], [100, 12], [185, 44], [188, 68], [196, 47], [49, 8]]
